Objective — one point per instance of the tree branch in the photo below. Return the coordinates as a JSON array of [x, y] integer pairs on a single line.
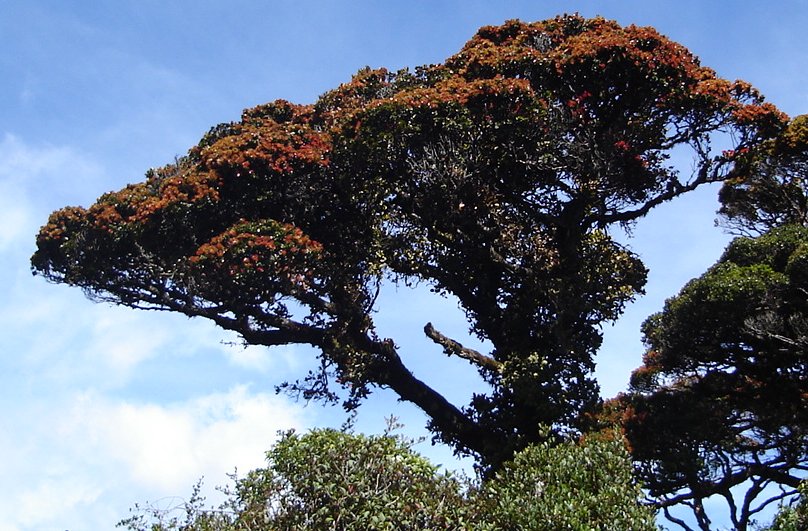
[[768, 471], [445, 419], [675, 189], [286, 331], [678, 521], [452, 347]]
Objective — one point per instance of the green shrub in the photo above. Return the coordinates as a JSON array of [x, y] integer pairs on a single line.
[[331, 480], [327, 480], [567, 487]]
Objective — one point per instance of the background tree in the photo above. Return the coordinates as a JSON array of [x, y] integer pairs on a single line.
[[495, 177], [720, 400], [722, 396]]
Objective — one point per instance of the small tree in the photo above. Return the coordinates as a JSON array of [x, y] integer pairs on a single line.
[[720, 400]]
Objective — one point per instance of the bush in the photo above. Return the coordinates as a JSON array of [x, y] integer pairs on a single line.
[[327, 480], [567, 487], [331, 480]]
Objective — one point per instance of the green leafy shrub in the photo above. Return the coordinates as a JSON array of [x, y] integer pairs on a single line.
[[328, 480], [331, 480], [574, 487]]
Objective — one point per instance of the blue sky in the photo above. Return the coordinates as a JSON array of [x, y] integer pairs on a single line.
[[102, 407]]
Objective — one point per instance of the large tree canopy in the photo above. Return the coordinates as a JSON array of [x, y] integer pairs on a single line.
[[495, 177]]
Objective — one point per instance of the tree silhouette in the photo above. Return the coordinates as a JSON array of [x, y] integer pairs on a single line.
[[496, 177]]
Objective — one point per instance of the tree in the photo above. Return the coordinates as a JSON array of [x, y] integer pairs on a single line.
[[496, 177], [721, 400], [719, 403], [329, 480]]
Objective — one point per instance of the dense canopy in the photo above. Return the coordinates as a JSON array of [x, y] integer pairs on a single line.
[[496, 177]]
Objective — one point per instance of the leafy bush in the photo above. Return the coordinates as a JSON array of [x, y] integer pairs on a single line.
[[586, 486], [331, 480]]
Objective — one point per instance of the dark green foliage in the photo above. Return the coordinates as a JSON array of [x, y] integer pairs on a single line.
[[722, 397]]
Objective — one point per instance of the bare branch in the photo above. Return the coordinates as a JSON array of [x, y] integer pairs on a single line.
[[452, 347], [678, 521]]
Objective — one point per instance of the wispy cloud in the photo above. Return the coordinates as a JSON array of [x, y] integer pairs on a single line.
[[81, 441], [89, 448], [41, 171], [165, 446]]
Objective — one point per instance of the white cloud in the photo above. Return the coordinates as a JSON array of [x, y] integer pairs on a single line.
[[30, 178], [119, 341], [66, 340], [264, 360], [167, 447], [52, 497], [60, 168], [79, 463], [249, 357], [14, 214]]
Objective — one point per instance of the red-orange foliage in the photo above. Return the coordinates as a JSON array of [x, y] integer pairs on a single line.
[[494, 176]]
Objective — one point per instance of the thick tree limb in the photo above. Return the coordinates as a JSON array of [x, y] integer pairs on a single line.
[[445, 419]]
